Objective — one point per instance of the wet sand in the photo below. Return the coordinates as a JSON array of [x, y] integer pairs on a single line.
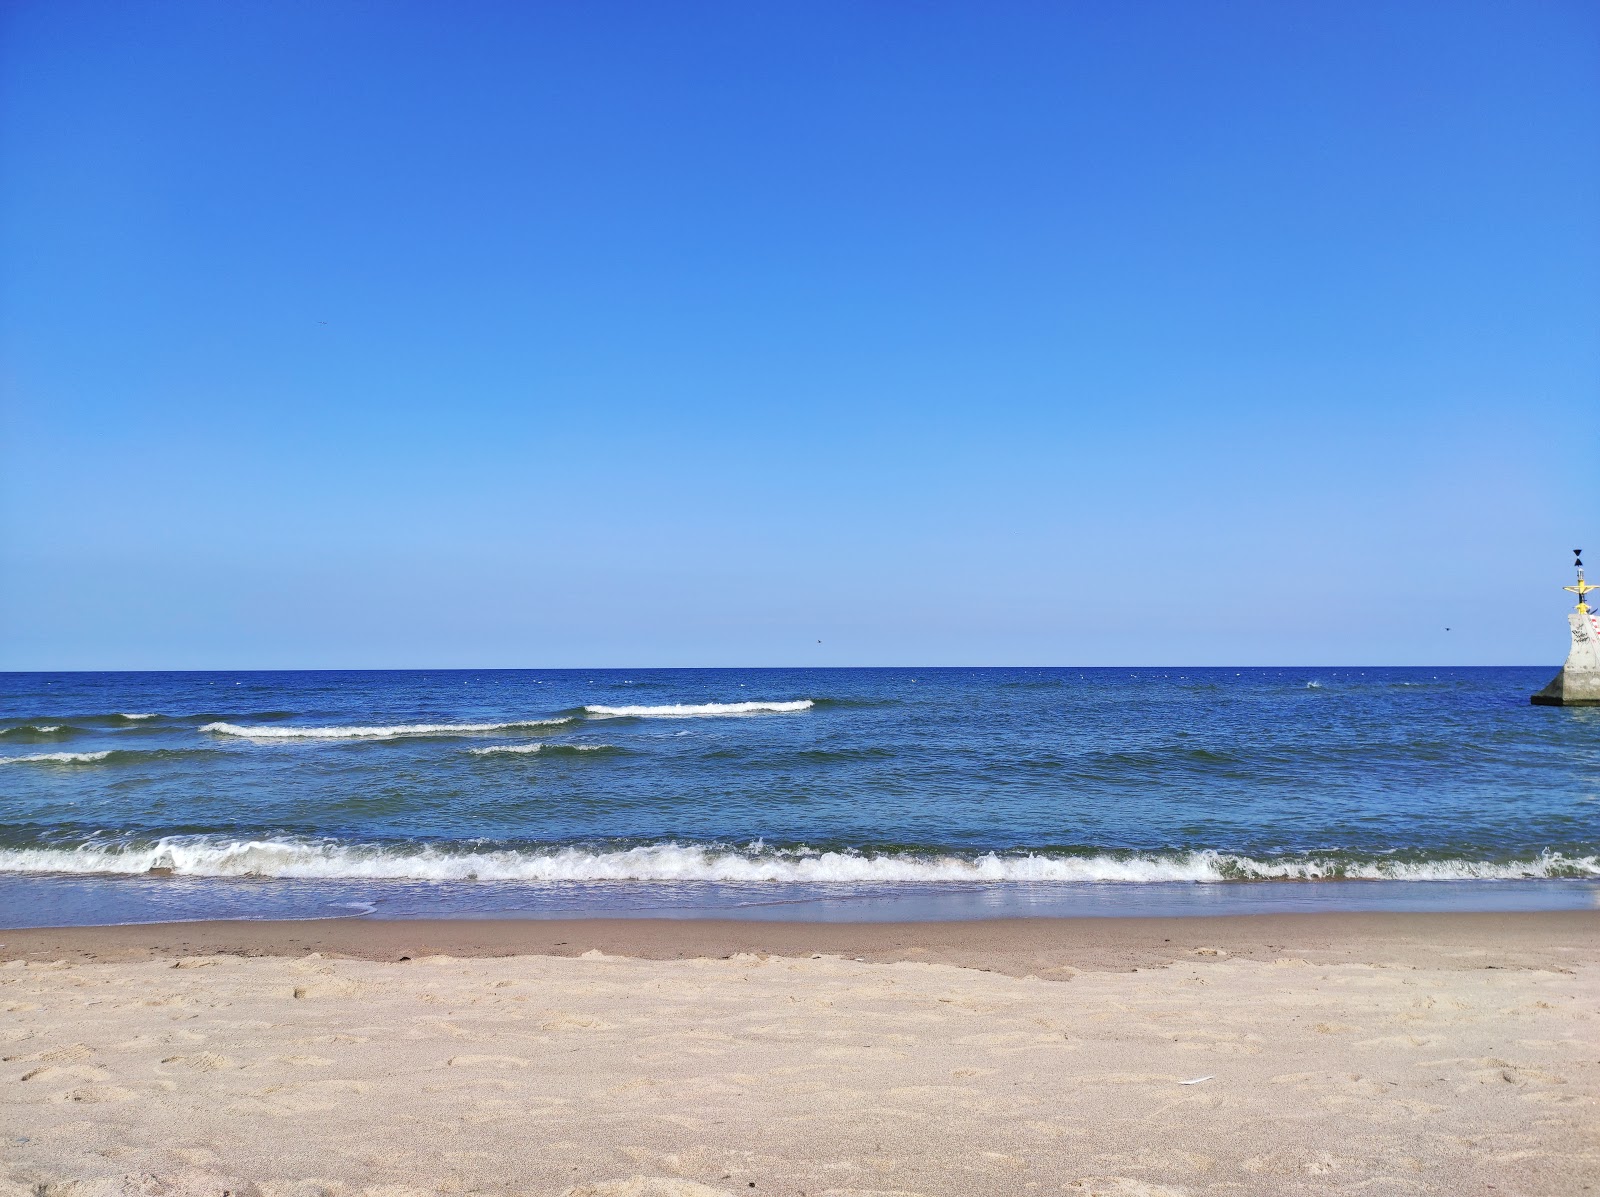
[[1016, 947]]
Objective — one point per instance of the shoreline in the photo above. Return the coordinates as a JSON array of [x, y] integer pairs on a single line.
[[1014, 946]]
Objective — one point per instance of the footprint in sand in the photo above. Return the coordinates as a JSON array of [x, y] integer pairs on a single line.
[[51, 1073], [1401, 1042], [334, 987], [62, 1055], [97, 1094], [201, 1062], [1512, 1074]]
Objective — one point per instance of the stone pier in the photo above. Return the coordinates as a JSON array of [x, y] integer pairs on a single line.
[[1578, 683]]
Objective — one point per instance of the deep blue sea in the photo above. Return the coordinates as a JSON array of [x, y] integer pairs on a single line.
[[770, 793]]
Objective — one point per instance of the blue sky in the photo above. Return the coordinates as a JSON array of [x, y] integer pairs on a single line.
[[348, 334]]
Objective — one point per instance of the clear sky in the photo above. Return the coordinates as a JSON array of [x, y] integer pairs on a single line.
[[344, 334]]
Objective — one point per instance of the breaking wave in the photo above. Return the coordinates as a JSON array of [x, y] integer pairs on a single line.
[[374, 733], [217, 856], [56, 758], [105, 755], [546, 749], [687, 710]]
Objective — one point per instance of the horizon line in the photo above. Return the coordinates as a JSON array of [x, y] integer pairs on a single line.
[[707, 668]]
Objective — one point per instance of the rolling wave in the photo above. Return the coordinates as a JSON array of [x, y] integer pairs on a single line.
[[689, 710], [214, 716], [216, 856], [374, 733], [128, 722], [28, 731]]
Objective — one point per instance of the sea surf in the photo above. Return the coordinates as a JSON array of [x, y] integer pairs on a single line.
[[505, 792]]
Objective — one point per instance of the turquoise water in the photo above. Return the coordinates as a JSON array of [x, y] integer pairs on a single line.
[[791, 793]]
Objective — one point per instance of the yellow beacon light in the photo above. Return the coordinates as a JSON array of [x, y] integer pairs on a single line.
[[1582, 588]]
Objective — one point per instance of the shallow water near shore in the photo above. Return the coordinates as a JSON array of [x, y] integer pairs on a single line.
[[98, 901], [803, 794]]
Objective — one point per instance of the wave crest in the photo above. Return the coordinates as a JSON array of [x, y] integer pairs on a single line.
[[56, 758], [690, 710], [547, 749], [373, 733], [216, 856], [104, 755]]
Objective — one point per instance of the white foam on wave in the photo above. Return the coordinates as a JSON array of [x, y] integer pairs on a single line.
[[136, 718], [373, 733], [210, 856], [689, 710], [56, 758], [496, 749]]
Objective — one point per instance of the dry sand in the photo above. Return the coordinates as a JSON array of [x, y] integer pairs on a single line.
[[1344, 1054]]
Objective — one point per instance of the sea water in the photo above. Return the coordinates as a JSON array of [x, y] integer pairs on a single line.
[[772, 793]]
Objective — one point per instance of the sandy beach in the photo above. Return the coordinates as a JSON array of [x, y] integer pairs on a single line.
[[1297, 1054]]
